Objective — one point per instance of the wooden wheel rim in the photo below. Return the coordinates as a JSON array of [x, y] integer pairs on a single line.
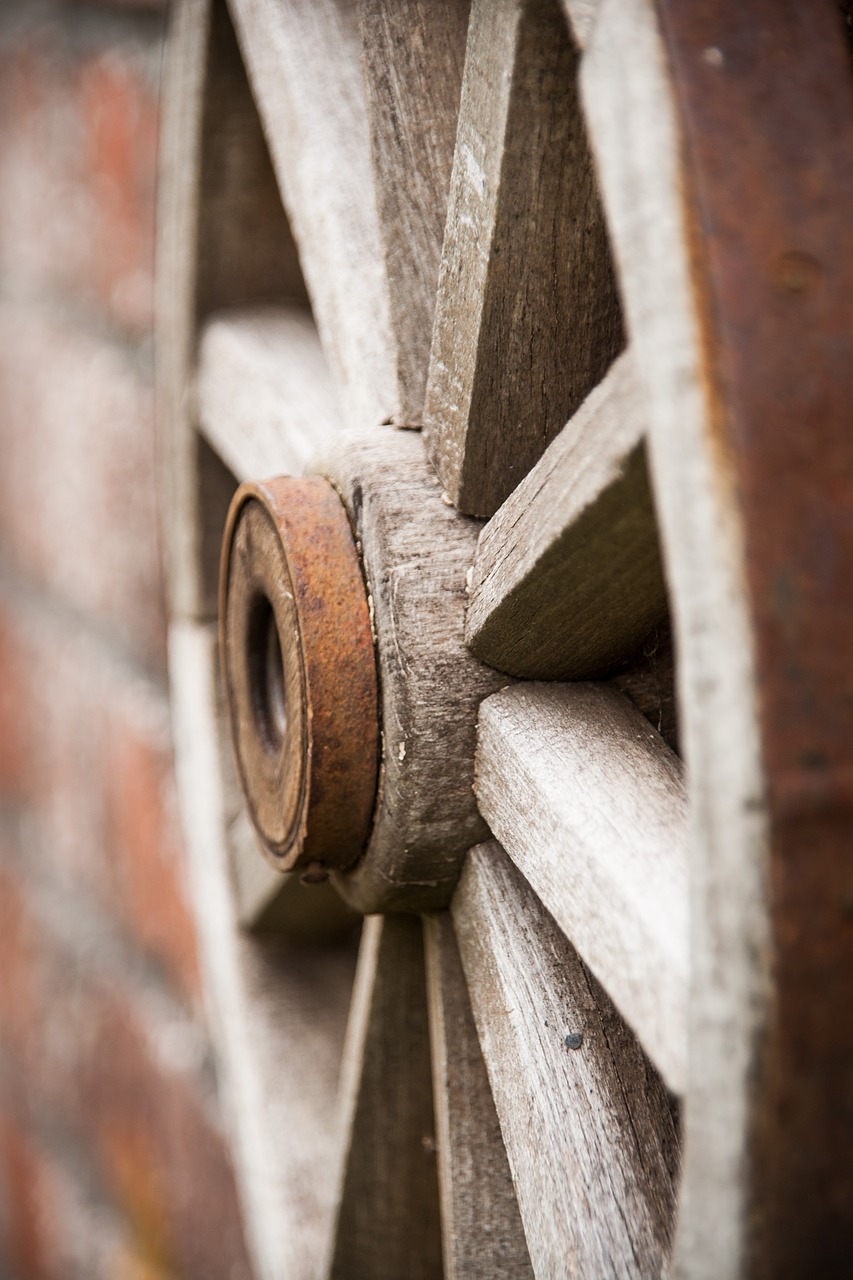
[[638, 74]]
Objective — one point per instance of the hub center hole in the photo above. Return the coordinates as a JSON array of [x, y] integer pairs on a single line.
[[266, 675]]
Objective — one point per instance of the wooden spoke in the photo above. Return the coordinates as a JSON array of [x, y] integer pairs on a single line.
[[412, 61], [387, 1216], [567, 578], [526, 319], [587, 1123], [304, 62], [239, 207], [265, 399], [223, 238], [481, 1228], [281, 906], [581, 15], [279, 1021], [590, 804], [648, 679]]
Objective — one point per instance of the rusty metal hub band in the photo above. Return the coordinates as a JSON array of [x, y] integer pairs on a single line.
[[300, 673]]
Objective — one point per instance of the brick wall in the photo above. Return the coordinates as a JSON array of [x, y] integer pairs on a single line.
[[112, 1157]]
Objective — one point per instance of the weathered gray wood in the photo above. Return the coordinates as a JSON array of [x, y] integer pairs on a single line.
[[481, 1227], [222, 237], [416, 552], [245, 248], [567, 579], [179, 162], [304, 62], [589, 1130], [647, 677], [590, 804], [635, 130], [212, 486], [278, 1017], [272, 905], [387, 1222], [581, 16], [264, 396], [527, 318], [412, 56]]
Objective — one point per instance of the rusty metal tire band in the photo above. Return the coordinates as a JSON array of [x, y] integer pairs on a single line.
[[768, 166], [300, 673]]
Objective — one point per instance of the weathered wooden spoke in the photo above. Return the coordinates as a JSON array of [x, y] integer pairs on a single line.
[[305, 66], [587, 1123], [567, 578], [273, 1012], [389, 218], [412, 60], [387, 1217], [265, 399], [590, 804], [526, 283], [482, 1231]]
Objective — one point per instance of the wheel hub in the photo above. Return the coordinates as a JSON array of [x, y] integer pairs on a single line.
[[360, 571], [300, 673]]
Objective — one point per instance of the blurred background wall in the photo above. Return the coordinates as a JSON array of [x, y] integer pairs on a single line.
[[112, 1156]]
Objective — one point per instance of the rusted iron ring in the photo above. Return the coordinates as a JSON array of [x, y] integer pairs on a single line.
[[300, 673]]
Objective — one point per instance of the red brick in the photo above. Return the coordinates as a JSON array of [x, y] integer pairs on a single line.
[[22, 1198], [19, 988], [113, 1165], [51, 1227], [168, 1165], [78, 142], [144, 837], [61, 685], [45, 999], [78, 485], [17, 745], [100, 783], [92, 1052]]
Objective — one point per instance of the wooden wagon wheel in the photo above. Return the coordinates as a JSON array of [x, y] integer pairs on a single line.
[[498, 1113]]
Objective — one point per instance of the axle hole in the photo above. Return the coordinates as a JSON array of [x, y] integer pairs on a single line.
[[266, 675]]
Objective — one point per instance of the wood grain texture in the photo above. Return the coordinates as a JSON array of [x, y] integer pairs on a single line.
[[567, 579], [647, 677], [412, 57], [278, 1017], [244, 246], [581, 16], [481, 1227], [591, 806], [222, 237], [179, 164], [304, 64], [264, 395], [637, 139], [527, 319], [416, 552], [213, 487], [387, 1223], [589, 1131]]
